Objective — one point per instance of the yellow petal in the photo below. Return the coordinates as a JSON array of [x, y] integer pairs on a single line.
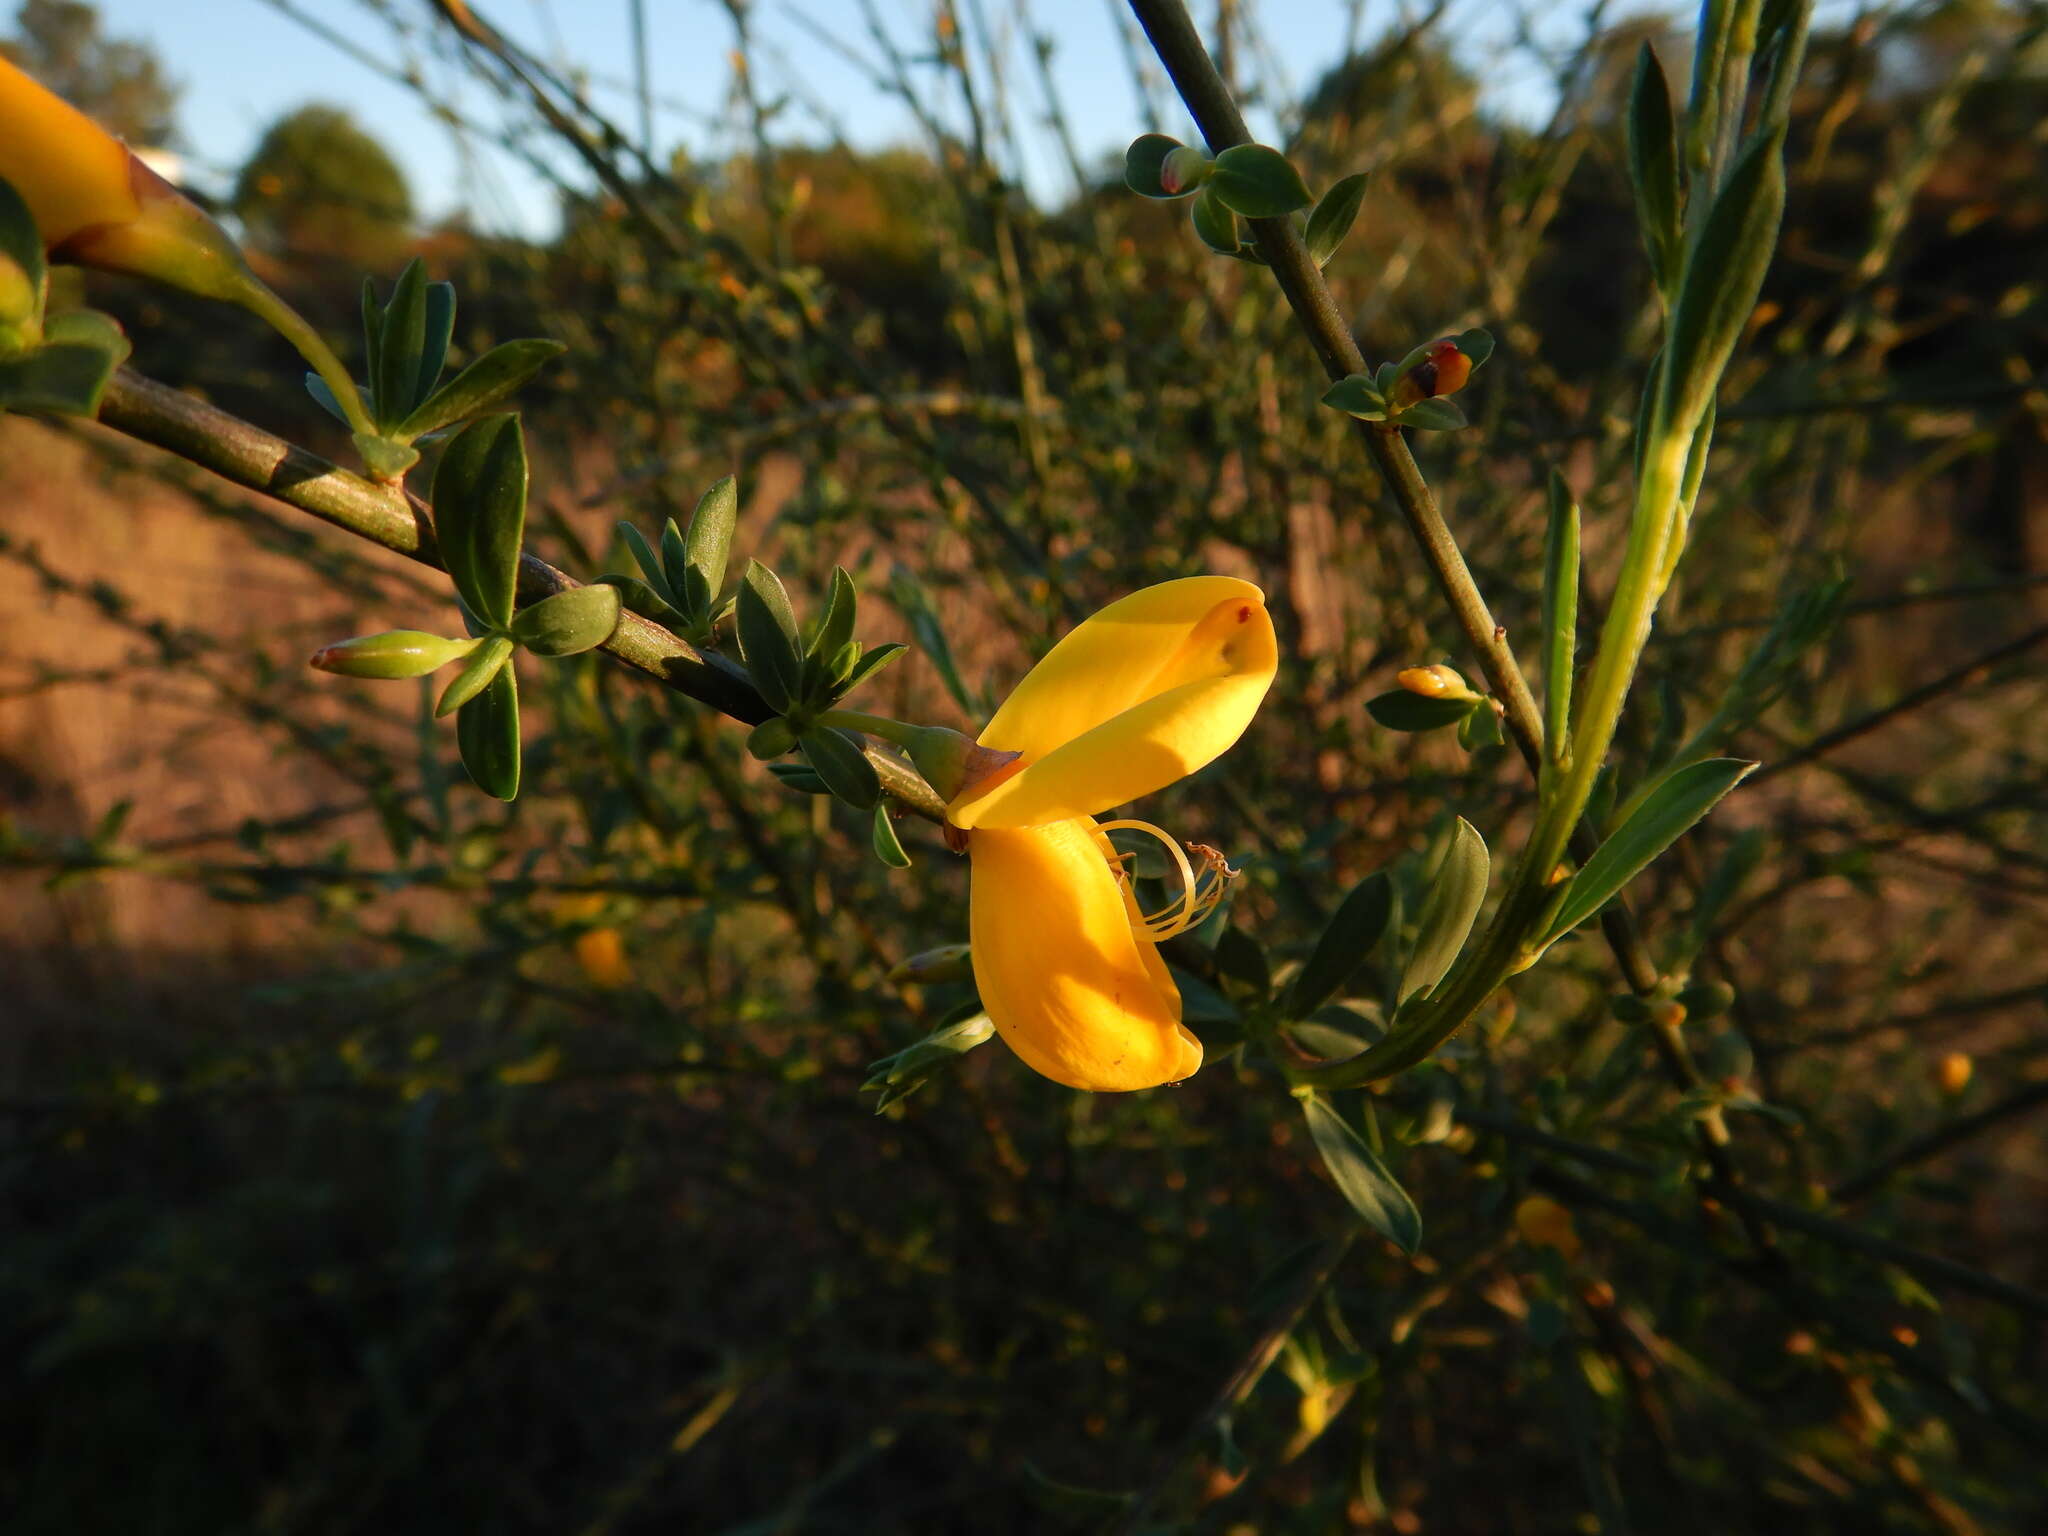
[[1076, 993], [1145, 692], [70, 171]]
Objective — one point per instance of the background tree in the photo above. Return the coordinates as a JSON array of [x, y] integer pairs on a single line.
[[318, 185], [121, 83]]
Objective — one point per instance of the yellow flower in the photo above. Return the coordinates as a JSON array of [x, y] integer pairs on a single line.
[[1145, 692]]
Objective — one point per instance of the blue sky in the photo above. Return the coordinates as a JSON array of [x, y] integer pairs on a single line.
[[242, 63]]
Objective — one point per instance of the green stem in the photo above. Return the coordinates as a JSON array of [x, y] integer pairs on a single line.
[[256, 297]]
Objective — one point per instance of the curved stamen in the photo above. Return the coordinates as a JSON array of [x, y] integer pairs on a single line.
[[1197, 899]]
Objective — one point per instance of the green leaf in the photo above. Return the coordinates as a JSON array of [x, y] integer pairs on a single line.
[[88, 328], [913, 599], [1357, 395], [484, 383], [836, 757], [324, 398], [1560, 615], [1723, 276], [1476, 344], [487, 731], [1455, 896], [1665, 815], [1434, 415], [1215, 223], [1333, 217], [1242, 959], [1258, 182], [768, 638], [799, 776], [485, 663], [868, 665], [21, 243], [1405, 711], [1142, 162], [904, 1071], [835, 629], [771, 738], [568, 623], [1362, 1178], [401, 342], [888, 846], [708, 545], [1480, 728], [1653, 167], [650, 563], [1345, 945], [440, 330], [480, 514], [373, 330], [675, 562], [638, 597], [62, 378]]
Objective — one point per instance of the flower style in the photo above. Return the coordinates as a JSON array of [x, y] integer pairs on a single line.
[[1145, 692]]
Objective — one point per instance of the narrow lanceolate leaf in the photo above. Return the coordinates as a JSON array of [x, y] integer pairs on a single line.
[[483, 384], [836, 757], [1362, 1178], [61, 378], [484, 664], [1405, 711], [1723, 276], [487, 731], [888, 846], [402, 339], [1142, 163], [868, 665], [373, 330], [480, 514], [1560, 615], [1665, 814], [644, 557], [708, 545], [768, 638], [440, 330], [568, 623], [1653, 167], [21, 244], [842, 608], [1448, 910], [1334, 216], [1215, 223], [1258, 182], [1345, 945]]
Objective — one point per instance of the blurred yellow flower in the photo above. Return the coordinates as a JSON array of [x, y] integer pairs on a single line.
[[1147, 691], [1543, 1223]]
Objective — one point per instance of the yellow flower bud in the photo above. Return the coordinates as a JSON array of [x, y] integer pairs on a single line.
[[1434, 682], [1443, 372], [1953, 1072], [602, 954]]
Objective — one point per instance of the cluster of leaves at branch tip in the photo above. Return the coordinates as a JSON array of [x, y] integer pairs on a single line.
[[1251, 181], [58, 364], [480, 524], [1415, 391], [405, 351], [682, 585], [895, 1077], [802, 676]]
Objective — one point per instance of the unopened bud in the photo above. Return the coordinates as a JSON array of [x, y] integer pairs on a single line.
[[1183, 170], [601, 952], [1952, 1073], [1443, 371], [1435, 682], [395, 653], [949, 962]]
